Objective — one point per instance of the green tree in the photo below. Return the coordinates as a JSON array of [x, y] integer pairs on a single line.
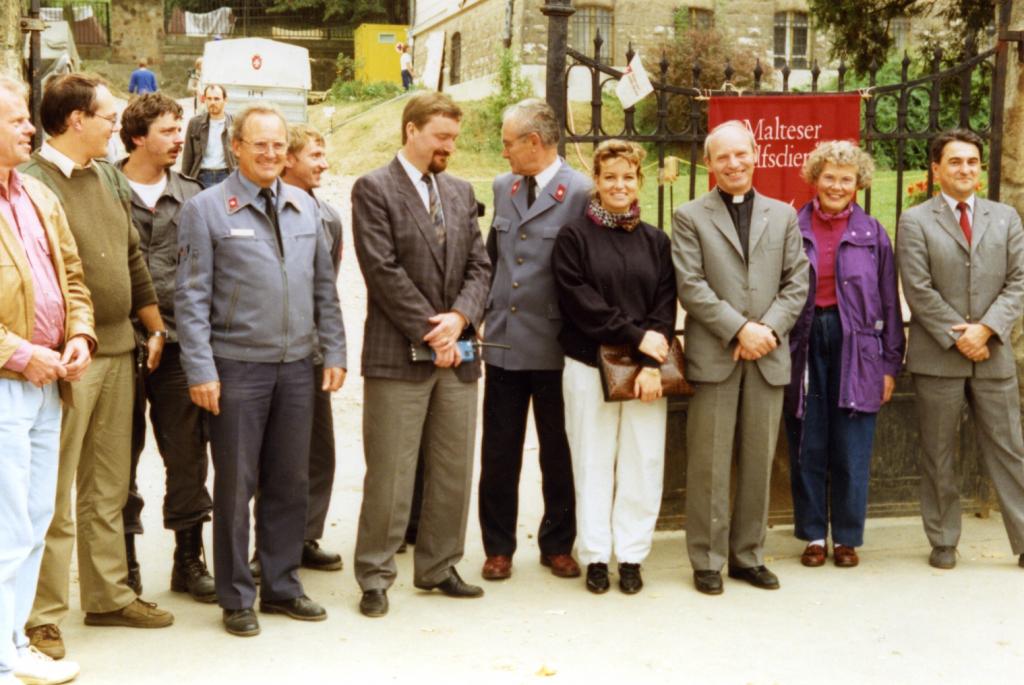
[[859, 30], [348, 11]]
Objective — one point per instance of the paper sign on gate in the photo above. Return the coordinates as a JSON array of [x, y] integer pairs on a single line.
[[634, 85]]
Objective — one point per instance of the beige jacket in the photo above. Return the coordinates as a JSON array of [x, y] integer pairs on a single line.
[[17, 298]]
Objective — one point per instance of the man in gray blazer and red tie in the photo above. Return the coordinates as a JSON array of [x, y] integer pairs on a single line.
[[961, 259], [427, 274], [742, 277], [531, 204]]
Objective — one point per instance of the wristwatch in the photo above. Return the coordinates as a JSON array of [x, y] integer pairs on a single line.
[[158, 334]]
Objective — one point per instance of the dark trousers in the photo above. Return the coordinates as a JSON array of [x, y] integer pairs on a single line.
[[507, 396], [830, 450], [131, 514], [211, 177], [321, 459], [179, 427], [406, 80], [260, 441]]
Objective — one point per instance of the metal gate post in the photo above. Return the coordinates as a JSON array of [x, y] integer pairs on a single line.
[[558, 13]]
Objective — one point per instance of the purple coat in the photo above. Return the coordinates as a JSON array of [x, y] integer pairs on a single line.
[[869, 311]]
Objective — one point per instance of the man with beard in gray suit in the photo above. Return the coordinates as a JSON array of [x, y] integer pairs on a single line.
[[531, 204], [742, 277], [420, 250]]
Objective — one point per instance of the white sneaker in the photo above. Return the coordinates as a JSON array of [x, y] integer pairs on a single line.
[[35, 668]]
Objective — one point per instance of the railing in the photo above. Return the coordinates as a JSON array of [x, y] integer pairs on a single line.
[[89, 21], [235, 19]]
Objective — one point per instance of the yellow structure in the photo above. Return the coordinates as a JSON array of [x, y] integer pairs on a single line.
[[376, 52]]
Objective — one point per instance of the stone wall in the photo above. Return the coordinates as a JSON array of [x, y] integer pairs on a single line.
[[481, 28], [1012, 187], [136, 30]]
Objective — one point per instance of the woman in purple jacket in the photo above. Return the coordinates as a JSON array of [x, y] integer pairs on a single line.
[[847, 349]]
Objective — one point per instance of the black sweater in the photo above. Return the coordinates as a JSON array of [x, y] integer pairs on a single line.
[[613, 286]]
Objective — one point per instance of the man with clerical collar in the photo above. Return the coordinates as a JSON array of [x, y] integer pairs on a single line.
[[742, 277], [961, 259], [151, 133]]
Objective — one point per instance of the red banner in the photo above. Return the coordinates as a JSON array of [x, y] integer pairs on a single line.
[[787, 128]]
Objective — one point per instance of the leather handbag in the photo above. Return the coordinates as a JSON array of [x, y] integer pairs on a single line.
[[619, 370]]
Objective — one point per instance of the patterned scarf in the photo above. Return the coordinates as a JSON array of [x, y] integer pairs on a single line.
[[627, 220], [825, 216]]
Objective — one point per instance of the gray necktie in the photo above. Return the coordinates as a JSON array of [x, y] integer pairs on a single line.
[[436, 215]]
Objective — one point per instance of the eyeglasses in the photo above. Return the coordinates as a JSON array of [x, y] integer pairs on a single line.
[[112, 118], [264, 146]]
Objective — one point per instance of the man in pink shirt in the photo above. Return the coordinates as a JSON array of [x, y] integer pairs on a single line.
[[46, 340]]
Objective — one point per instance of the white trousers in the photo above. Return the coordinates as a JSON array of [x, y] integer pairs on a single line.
[[618, 458]]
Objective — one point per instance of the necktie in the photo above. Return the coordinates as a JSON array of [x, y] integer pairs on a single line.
[[531, 190], [436, 215], [965, 219], [271, 209]]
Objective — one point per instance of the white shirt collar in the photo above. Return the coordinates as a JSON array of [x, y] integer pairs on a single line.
[[63, 162], [414, 174], [953, 203], [544, 177]]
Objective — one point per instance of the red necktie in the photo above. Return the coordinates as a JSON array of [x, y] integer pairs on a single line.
[[965, 220]]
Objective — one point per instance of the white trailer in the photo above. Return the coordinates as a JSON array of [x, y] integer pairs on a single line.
[[259, 70]]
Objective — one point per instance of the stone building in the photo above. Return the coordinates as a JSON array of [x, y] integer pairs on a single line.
[[457, 41]]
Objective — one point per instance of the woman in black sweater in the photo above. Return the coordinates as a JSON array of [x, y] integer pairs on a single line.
[[616, 285]]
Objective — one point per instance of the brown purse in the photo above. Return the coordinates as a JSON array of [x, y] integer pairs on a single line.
[[619, 371]]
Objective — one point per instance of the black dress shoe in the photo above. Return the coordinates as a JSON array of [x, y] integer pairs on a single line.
[[319, 559], [454, 586], [597, 578], [374, 603], [708, 582], [942, 557], [301, 608], [758, 576], [241, 622], [630, 581]]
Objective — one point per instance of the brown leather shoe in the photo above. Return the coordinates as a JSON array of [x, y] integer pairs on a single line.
[[561, 565], [844, 556], [498, 567], [47, 639], [814, 555], [138, 614]]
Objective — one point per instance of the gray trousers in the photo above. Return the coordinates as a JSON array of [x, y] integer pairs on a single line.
[[396, 415], [260, 441], [743, 407], [995, 406]]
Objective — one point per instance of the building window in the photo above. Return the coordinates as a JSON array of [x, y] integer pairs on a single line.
[[388, 38], [900, 29], [455, 71], [791, 40], [695, 18], [583, 26]]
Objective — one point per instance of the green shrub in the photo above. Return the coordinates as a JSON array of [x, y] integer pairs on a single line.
[[357, 91], [481, 129]]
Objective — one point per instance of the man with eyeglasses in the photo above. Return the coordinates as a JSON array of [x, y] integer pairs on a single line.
[[78, 112], [254, 297]]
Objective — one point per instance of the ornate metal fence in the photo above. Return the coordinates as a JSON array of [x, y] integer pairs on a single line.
[[924, 105]]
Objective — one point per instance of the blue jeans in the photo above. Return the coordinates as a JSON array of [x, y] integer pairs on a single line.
[[211, 177], [406, 80], [830, 449], [29, 448]]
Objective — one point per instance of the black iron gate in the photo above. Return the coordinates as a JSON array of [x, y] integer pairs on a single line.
[[686, 133], [894, 469]]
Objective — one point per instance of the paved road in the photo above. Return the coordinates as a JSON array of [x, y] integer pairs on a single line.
[[893, 620]]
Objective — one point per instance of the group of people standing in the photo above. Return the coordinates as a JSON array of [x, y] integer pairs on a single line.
[[215, 302]]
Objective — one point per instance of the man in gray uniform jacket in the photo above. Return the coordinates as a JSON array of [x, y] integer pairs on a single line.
[[531, 204], [961, 259], [255, 288]]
